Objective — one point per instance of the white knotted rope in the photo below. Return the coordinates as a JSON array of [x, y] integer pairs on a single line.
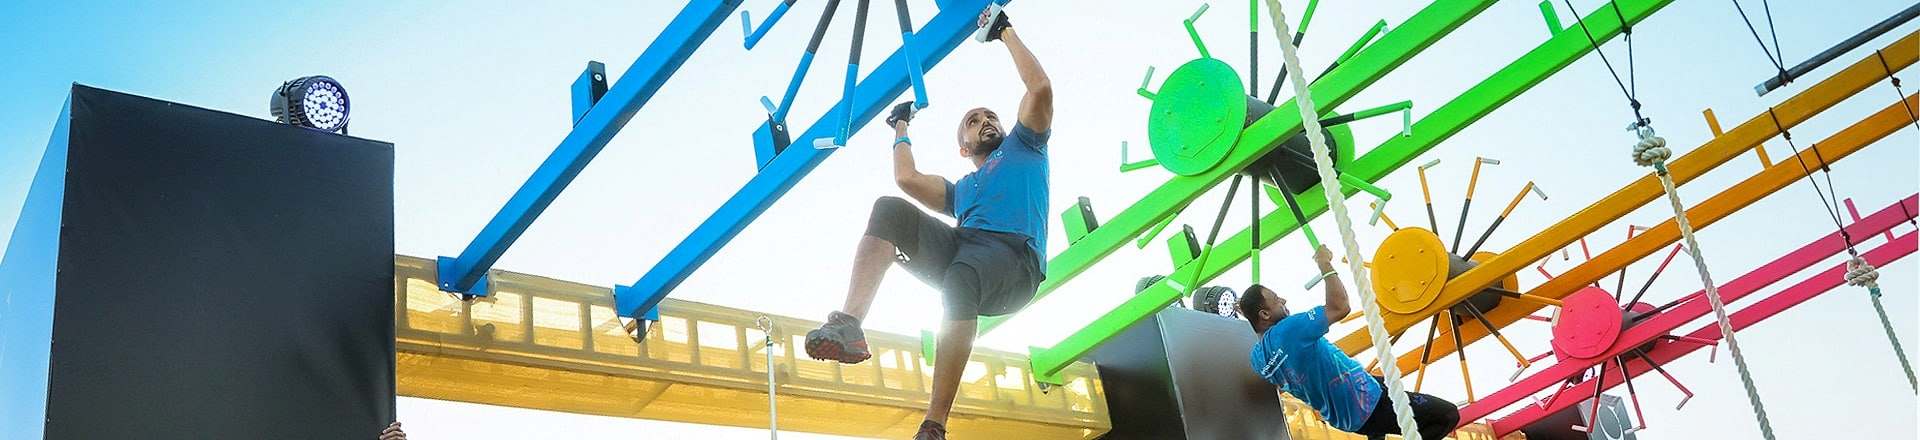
[[1336, 200], [1860, 273], [1652, 151]]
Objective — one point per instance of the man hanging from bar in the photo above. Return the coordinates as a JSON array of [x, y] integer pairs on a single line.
[[1293, 354], [992, 262]]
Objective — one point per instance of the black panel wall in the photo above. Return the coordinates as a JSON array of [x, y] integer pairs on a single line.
[[219, 277], [1184, 375]]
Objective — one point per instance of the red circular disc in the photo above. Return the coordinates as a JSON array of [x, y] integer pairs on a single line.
[[1589, 323]]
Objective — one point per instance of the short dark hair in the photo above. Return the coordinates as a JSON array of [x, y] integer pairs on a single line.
[[1252, 301]]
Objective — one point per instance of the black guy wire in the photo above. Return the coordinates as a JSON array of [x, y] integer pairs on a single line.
[[1776, 60], [1627, 30], [1898, 92], [1833, 212], [1774, 31]]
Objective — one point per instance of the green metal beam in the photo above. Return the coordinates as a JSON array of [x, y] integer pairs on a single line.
[[1509, 82], [1393, 49]]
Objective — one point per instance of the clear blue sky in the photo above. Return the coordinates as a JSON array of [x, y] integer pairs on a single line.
[[474, 94]]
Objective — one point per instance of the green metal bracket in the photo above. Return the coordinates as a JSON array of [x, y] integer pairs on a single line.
[[1144, 93], [1364, 186], [1365, 38], [1155, 232], [1405, 108], [1079, 220], [1449, 119], [1195, 34], [1126, 166], [1378, 208], [1553, 18], [1184, 246]]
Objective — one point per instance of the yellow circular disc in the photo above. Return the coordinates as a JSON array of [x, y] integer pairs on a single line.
[[1408, 270], [1511, 282]]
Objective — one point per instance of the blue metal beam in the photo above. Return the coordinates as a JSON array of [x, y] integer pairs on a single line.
[[931, 44], [658, 63]]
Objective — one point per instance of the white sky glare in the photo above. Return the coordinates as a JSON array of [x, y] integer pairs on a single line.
[[475, 95]]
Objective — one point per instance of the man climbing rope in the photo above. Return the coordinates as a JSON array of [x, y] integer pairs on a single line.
[[991, 263], [1293, 354]]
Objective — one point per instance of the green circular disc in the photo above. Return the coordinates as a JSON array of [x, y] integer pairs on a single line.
[[1197, 116]]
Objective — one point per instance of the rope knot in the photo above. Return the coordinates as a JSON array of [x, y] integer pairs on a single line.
[[1651, 149], [1860, 273]]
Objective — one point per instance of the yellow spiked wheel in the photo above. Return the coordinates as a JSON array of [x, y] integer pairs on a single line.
[[1410, 267]]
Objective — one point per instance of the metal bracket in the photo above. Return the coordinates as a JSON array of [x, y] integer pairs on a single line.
[[588, 89]]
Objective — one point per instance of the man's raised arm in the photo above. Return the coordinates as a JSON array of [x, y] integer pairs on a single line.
[[928, 189], [1337, 305], [1036, 108]]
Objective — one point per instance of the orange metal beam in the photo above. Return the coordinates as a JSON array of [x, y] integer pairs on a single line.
[[1719, 150], [1774, 178]]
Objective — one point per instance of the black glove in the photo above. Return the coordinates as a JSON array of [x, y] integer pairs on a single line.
[[902, 112], [993, 30]]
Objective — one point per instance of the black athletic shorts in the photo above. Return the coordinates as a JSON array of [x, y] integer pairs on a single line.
[[1434, 416], [980, 272]]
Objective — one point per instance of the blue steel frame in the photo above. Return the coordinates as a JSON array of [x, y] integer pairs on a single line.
[[466, 274], [956, 20]]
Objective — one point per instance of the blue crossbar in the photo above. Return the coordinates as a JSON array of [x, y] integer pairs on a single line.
[[664, 56], [931, 44]]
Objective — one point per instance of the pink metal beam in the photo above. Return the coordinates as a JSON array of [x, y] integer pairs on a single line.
[[1801, 292], [1855, 212], [1664, 323]]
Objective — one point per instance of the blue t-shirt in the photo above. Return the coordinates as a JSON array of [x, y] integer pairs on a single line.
[[1295, 355], [1009, 192]]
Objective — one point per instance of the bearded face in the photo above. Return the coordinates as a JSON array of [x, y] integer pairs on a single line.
[[980, 133]]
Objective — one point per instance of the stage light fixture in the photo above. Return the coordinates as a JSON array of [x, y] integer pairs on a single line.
[[316, 102]]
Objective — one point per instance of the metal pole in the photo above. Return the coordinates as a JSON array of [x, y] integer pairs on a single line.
[[773, 405], [1851, 43]]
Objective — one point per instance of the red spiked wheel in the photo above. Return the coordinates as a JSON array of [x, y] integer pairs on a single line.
[[1588, 325]]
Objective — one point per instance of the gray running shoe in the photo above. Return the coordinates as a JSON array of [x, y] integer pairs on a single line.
[[840, 340], [931, 431]]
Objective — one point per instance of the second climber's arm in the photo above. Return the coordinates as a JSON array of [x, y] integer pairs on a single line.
[[1337, 303]]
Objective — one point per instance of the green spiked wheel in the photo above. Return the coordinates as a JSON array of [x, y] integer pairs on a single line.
[[1197, 116]]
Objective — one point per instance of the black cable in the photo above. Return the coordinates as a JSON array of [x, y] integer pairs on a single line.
[[1899, 92], [1827, 172], [1632, 100], [1833, 212], [1774, 31], [1778, 64], [1626, 30]]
